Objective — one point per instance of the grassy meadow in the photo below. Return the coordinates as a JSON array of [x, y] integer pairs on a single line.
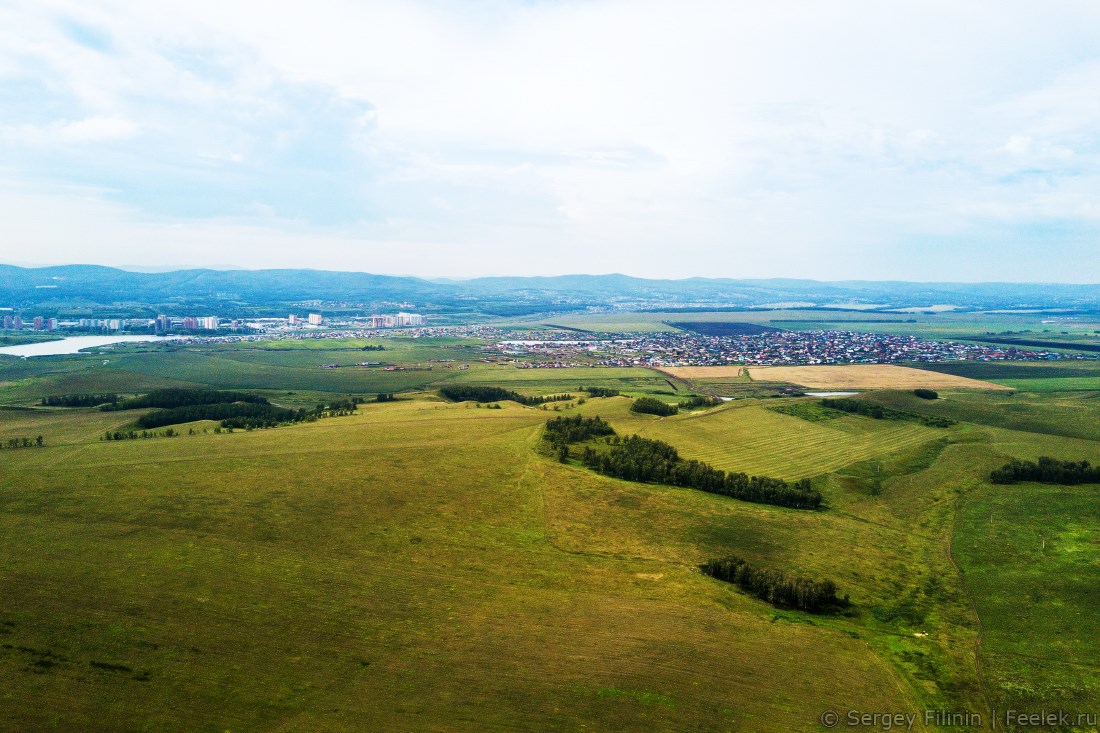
[[421, 565]]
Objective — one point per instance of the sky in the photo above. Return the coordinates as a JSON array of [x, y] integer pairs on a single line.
[[903, 140]]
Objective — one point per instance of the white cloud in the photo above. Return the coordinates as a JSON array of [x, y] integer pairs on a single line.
[[785, 138]]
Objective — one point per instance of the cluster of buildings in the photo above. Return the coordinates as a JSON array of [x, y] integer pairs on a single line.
[[164, 323], [385, 320], [768, 349], [38, 323], [396, 320]]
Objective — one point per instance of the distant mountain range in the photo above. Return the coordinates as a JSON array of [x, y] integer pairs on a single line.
[[105, 286]]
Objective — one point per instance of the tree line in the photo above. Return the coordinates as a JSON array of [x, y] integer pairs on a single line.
[[79, 400], [484, 393], [653, 406], [699, 401], [176, 397], [13, 443], [258, 414], [654, 461], [599, 391], [112, 435], [1047, 470], [775, 586]]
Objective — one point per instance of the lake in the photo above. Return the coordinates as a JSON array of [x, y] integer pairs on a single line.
[[72, 345]]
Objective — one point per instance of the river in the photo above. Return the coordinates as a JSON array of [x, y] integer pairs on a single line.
[[72, 345]]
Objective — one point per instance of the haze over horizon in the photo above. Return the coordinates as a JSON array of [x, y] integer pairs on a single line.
[[923, 141]]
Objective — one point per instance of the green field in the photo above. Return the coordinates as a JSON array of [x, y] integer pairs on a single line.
[[1060, 376], [428, 566]]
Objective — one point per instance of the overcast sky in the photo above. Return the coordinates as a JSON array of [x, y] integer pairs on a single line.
[[882, 140]]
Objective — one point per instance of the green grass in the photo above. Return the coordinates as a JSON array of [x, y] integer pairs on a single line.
[[401, 569], [1031, 557], [811, 411], [1074, 376], [1073, 415], [760, 441]]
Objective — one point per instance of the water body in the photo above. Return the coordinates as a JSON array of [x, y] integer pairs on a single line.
[[831, 394], [72, 345]]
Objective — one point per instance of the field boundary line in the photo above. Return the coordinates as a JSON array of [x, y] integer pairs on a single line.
[[970, 601]]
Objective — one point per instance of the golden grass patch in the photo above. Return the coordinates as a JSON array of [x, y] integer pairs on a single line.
[[849, 376]]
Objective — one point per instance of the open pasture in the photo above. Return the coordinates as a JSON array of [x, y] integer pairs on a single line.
[[1031, 557], [412, 567]]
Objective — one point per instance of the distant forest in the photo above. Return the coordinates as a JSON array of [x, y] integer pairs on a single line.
[[80, 400]]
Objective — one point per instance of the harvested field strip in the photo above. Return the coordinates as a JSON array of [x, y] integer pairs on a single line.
[[867, 376]]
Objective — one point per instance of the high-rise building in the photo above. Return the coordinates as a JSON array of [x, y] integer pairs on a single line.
[[315, 319], [292, 319], [51, 324], [162, 323], [18, 323], [9, 323], [39, 323], [208, 323]]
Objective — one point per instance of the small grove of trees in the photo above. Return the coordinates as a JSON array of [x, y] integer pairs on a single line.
[[564, 430], [479, 393], [384, 397], [653, 406], [79, 400], [926, 394], [599, 391], [13, 443], [374, 347], [654, 461], [775, 586], [699, 401], [1047, 471]]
